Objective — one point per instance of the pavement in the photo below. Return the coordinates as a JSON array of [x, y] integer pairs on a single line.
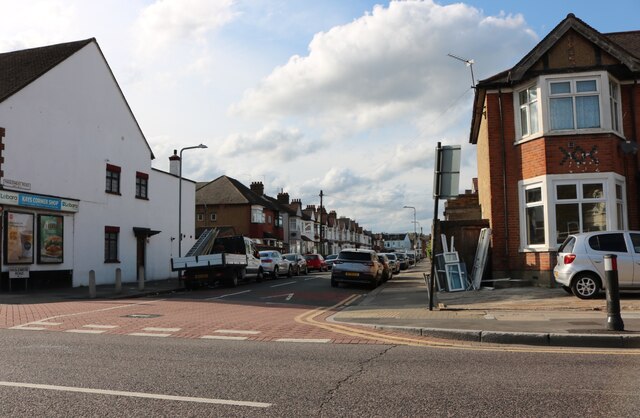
[[515, 315]]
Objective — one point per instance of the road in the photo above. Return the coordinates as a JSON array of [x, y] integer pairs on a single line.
[[265, 350]]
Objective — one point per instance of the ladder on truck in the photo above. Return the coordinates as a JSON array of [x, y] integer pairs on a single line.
[[204, 243]]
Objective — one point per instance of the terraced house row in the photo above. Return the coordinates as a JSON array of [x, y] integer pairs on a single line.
[[278, 223]]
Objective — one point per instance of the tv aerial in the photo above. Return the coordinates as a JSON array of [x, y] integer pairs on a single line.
[[469, 63]]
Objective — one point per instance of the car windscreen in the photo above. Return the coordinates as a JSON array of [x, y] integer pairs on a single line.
[[391, 256], [310, 257], [354, 256]]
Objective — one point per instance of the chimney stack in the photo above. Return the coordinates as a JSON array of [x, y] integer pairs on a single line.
[[257, 187], [283, 198], [174, 163]]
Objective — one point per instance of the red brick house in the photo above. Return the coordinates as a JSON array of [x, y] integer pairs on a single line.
[[225, 202], [556, 140]]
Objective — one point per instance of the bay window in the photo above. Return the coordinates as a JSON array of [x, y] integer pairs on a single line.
[[581, 102], [554, 206]]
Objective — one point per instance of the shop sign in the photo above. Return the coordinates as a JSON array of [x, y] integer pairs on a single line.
[[37, 201], [16, 184]]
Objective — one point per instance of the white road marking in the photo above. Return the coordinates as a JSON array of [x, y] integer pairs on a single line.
[[46, 323], [282, 284], [223, 337], [303, 340], [229, 294], [137, 394], [100, 326], [288, 296], [235, 331], [152, 329], [86, 331], [85, 312], [24, 327], [310, 278], [148, 334]]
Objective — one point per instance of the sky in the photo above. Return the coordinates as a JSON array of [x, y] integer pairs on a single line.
[[349, 97]]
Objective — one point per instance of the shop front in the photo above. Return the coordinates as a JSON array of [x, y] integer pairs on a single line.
[[36, 234]]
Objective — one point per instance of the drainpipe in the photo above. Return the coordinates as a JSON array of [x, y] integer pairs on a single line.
[[504, 180]]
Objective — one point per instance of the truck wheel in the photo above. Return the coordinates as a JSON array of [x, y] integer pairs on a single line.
[[235, 278]]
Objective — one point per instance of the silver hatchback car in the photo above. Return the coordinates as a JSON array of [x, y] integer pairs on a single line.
[[580, 264]]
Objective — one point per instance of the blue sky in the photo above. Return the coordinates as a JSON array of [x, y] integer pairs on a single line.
[[349, 97]]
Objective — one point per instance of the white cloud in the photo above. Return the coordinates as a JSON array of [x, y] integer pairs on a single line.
[[387, 65], [269, 144], [166, 21]]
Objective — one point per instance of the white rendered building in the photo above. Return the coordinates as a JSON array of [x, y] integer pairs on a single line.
[[76, 176]]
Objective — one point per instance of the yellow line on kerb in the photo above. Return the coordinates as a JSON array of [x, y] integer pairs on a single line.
[[308, 318]]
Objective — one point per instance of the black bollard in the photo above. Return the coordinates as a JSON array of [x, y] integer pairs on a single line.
[[614, 320]]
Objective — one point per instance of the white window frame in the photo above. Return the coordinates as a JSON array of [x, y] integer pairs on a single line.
[[199, 217], [257, 214], [526, 107], [610, 118], [548, 184], [213, 217]]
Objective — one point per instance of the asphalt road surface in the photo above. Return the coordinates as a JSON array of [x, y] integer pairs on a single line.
[[73, 375], [266, 350]]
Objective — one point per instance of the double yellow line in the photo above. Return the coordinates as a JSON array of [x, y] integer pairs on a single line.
[[309, 318]]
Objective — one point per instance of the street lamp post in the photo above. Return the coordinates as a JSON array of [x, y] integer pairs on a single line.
[[415, 232], [180, 198]]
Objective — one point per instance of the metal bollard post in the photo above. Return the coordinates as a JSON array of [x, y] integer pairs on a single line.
[[92, 284], [141, 278], [614, 320], [118, 281]]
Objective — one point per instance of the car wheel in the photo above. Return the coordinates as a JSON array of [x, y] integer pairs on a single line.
[[259, 276], [585, 286], [306, 271], [567, 289], [275, 273], [290, 271]]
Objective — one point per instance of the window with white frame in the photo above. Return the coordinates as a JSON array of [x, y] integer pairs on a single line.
[[580, 207], [199, 217], [528, 100], [213, 217], [257, 215], [614, 105], [560, 104], [589, 202], [574, 104], [534, 213]]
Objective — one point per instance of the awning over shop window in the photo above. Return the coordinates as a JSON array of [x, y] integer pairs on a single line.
[[144, 232]]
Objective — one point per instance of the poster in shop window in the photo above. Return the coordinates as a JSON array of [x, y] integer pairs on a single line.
[[50, 241], [18, 238]]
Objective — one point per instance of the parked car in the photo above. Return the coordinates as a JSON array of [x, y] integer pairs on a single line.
[[580, 262], [316, 262], [412, 259], [357, 266], [387, 273], [329, 260], [393, 262], [298, 262], [402, 259], [274, 264]]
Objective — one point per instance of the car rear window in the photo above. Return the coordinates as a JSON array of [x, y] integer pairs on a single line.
[[311, 257], [567, 245], [354, 256], [290, 257], [608, 242]]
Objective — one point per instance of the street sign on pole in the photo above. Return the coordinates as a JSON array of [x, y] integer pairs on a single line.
[[447, 171]]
